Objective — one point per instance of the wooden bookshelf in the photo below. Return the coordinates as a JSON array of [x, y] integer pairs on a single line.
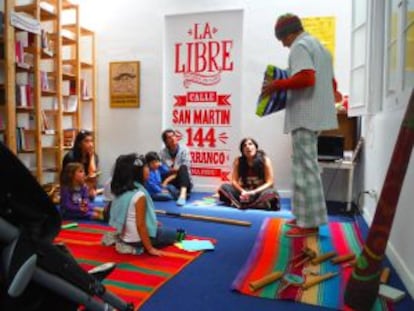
[[36, 130]]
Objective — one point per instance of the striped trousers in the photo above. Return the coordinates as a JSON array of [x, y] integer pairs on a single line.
[[308, 203]]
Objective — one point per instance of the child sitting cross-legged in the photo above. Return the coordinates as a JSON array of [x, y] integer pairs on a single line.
[[132, 211], [74, 195], [158, 181]]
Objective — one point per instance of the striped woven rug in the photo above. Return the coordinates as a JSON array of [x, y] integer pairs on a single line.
[[136, 277], [273, 251]]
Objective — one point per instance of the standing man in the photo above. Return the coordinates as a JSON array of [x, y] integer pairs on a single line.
[[310, 108], [177, 157]]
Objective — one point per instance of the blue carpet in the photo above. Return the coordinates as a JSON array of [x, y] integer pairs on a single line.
[[205, 284]]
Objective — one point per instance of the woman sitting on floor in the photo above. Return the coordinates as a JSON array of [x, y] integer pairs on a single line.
[[252, 180], [83, 151]]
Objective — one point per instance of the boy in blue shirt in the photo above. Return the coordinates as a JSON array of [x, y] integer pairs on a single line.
[[158, 181]]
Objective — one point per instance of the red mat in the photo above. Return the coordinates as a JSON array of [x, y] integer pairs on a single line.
[[136, 277]]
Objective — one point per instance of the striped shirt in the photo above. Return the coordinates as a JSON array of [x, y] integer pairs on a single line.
[[312, 107]]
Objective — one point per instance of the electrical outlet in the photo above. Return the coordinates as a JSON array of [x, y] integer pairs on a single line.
[[372, 193]]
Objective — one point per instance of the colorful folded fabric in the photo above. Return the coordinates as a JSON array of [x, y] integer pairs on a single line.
[[276, 101]]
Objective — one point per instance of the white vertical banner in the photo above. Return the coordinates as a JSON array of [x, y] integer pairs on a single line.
[[202, 83]]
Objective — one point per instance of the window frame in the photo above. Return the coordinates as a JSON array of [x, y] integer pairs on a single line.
[[373, 49]]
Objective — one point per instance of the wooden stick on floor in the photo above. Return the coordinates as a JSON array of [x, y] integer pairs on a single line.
[[318, 279], [267, 279], [206, 218]]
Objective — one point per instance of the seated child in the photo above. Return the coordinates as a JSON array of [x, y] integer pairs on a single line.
[[74, 195], [158, 181], [132, 211]]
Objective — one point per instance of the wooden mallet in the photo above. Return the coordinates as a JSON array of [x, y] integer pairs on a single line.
[[343, 258], [322, 258], [318, 279], [308, 254], [267, 279]]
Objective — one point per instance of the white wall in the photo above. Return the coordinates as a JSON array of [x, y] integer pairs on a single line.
[[133, 30]]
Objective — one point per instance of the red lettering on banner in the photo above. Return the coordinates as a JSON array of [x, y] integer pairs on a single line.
[[201, 97], [202, 58], [225, 176], [208, 56], [210, 172], [206, 32], [208, 157], [202, 117], [211, 116], [223, 100], [181, 116], [180, 100]]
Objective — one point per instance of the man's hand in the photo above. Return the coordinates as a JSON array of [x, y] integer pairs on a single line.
[[270, 87], [338, 97]]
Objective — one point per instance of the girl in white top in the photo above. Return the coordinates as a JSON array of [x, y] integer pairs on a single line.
[[132, 210]]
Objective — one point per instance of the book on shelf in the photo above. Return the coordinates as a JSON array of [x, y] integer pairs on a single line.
[[70, 103], [28, 61], [25, 142], [24, 96], [19, 51], [2, 127], [24, 78], [68, 69], [44, 81], [46, 6], [24, 38], [72, 87], [18, 139], [25, 22], [49, 53], [1, 23], [25, 120], [65, 88], [21, 96], [48, 140], [68, 88], [45, 121], [50, 103], [69, 137], [46, 42], [67, 34], [84, 90]]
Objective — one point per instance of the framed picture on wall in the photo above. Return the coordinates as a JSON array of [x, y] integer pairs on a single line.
[[124, 84]]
